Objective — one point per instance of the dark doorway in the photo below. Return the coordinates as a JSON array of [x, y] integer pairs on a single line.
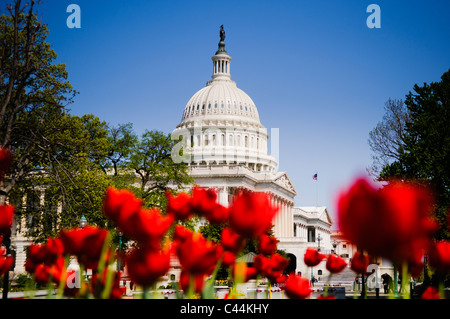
[[292, 264]]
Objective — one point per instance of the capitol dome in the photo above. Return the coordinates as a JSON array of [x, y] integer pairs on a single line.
[[220, 123]]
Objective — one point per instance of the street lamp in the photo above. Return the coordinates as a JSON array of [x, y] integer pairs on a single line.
[[83, 221], [319, 238], [120, 248]]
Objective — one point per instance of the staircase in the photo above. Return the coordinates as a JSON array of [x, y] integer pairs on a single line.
[[345, 278]]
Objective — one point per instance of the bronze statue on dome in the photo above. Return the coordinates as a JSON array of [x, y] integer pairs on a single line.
[[222, 33]]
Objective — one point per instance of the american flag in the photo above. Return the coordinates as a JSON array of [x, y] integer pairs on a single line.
[[315, 176]]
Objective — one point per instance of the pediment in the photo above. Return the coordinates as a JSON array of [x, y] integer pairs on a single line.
[[284, 181]]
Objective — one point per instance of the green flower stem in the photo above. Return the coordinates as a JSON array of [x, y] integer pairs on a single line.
[[441, 289], [145, 292], [208, 291], [405, 275], [325, 292]]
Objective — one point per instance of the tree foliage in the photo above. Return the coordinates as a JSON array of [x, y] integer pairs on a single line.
[[33, 92], [64, 163], [423, 152]]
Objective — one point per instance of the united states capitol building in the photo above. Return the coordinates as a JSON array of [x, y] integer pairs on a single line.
[[226, 148]]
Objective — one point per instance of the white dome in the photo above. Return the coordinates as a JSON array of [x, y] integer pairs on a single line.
[[221, 98], [220, 124]]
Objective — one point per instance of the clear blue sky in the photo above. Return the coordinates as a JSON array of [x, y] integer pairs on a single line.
[[313, 68]]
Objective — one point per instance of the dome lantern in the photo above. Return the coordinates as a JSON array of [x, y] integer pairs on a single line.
[[221, 61]]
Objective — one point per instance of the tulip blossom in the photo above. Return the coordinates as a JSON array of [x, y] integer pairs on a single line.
[[148, 227], [146, 266], [313, 257], [297, 287], [251, 213], [5, 261], [218, 215], [393, 222], [198, 255], [267, 245], [6, 218], [430, 293], [359, 263], [119, 205], [44, 273], [46, 254], [272, 267], [85, 243], [6, 159], [204, 201], [228, 258], [179, 206], [335, 264], [180, 234], [232, 241], [439, 256]]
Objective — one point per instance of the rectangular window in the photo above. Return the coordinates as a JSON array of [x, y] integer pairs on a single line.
[[311, 234]]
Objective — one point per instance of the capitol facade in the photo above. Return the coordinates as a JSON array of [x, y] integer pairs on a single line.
[[226, 148]]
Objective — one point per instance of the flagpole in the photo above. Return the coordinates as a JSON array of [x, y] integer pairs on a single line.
[[316, 178], [317, 192]]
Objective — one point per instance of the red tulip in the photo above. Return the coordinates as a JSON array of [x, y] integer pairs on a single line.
[[232, 241], [335, 264], [198, 255], [5, 263], [119, 205], [228, 258], [44, 253], [43, 273], [297, 287], [430, 293], [6, 218], [251, 214], [179, 206], [146, 266], [393, 222], [180, 234], [267, 245], [359, 263], [6, 159], [218, 215], [312, 257], [86, 243], [148, 227], [439, 256], [272, 267], [204, 201]]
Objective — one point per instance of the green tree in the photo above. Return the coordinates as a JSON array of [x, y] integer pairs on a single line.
[[121, 142], [55, 196], [33, 93], [152, 163], [424, 155]]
